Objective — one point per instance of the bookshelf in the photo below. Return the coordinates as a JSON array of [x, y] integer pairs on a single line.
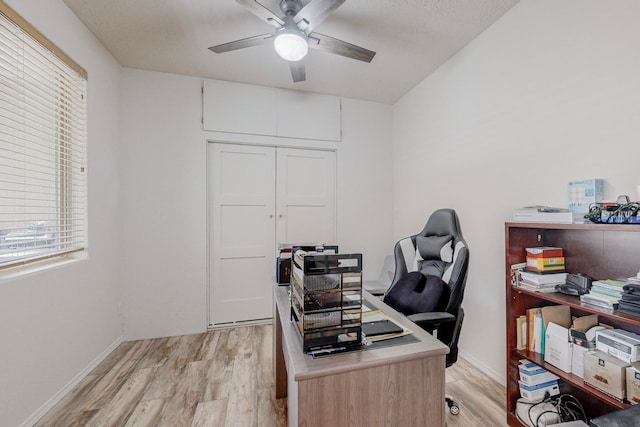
[[601, 251]]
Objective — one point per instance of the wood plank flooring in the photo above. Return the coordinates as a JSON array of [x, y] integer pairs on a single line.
[[221, 378]]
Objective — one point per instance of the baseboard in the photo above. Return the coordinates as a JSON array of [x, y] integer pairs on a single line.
[[39, 413], [499, 378]]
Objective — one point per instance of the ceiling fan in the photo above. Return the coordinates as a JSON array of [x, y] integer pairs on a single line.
[[294, 33]]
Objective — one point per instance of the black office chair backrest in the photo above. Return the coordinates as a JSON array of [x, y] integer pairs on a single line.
[[420, 253], [438, 250]]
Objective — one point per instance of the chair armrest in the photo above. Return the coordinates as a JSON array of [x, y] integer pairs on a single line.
[[431, 319]]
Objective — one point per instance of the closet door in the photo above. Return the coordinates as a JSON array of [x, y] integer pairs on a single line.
[[306, 184], [241, 232], [244, 183]]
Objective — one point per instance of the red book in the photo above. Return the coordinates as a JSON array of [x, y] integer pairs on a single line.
[[544, 252]]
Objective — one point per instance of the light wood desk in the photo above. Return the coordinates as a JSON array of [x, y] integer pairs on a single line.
[[400, 385]]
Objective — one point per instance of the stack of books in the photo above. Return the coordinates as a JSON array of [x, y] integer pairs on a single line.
[[630, 301], [545, 259], [604, 294], [541, 282], [545, 214], [544, 269]]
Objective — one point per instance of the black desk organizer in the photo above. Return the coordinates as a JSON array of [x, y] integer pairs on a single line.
[[326, 299]]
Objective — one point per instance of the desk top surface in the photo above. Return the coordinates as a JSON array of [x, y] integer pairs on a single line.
[[305, 366]]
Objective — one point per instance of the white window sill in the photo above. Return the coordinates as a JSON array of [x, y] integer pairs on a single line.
[[23, 270]]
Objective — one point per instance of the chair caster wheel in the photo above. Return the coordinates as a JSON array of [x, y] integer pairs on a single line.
[[454, 409]]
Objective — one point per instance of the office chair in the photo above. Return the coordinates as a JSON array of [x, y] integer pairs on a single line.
[[429, 281]]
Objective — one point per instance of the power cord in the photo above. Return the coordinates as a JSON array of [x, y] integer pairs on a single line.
[[623, 213], [565, 406]]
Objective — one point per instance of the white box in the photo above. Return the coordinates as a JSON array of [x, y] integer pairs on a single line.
[[633, 383], [532, 374], [557, 348], [606, 373], [535, 393], [583, 193], [577, 360], [619, 343]]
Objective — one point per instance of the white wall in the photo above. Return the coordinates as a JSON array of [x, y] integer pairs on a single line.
[[53, 324], [164, 197], [547, 95]]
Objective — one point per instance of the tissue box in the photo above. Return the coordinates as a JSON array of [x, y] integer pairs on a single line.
[[532, 374], [535, 393], [583, 193]]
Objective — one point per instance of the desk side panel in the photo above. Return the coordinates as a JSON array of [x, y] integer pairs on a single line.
[[398, 394]]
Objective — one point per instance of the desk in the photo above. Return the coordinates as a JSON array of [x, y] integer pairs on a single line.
[[399, 385]]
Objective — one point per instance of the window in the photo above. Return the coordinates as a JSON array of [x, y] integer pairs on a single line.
[[42, 146]]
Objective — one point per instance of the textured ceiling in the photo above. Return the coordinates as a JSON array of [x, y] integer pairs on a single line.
[[412, 38]]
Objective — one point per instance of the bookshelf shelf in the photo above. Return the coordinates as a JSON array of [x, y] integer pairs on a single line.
[[599, 251]]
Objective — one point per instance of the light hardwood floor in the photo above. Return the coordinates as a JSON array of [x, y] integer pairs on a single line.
[[221, 378]]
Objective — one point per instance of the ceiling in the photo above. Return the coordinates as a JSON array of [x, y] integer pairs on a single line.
[[412, 38]]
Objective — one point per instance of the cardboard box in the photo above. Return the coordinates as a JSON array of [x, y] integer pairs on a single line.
[[536, 393], [606, 373], [633, 383], [532, 374], [622, 344], [546, 264], [583, 193], [544, 252], [583, 331], [557, 347]]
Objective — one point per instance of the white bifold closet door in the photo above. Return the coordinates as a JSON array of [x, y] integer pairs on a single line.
[[255, 194]]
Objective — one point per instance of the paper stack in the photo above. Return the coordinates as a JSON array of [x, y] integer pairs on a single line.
[[630, 302], [541, 282], [604, 294]]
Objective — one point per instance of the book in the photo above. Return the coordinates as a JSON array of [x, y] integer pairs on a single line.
[[534, 329], [544, 215], [538, 332], [521, 332], [544, 252], [600, 301], [543, 279], [537, 288], [516, 269]]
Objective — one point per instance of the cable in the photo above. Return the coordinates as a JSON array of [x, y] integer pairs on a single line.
[[623, 213], [566, 407]]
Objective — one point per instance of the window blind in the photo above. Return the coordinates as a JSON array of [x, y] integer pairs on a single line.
[[42, 147]]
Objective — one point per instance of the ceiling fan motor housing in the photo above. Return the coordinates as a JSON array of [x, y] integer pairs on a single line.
[[290, 7]]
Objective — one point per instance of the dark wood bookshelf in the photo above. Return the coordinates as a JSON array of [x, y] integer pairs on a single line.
[[601, 251]]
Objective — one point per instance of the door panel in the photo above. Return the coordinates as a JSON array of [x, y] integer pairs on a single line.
[[242, 232], [244, 184], [306, 196]]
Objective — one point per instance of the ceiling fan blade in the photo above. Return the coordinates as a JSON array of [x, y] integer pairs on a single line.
[[314, 13], [262, 12], [297, 71], [241, 44], [339, 47]]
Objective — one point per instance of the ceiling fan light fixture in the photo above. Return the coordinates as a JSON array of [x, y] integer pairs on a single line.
[[291, 45]]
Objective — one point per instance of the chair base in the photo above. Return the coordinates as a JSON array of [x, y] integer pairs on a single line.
[[453, 407]]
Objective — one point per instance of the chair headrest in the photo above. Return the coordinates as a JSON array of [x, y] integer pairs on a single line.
[[435, 247], [443, 222]]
